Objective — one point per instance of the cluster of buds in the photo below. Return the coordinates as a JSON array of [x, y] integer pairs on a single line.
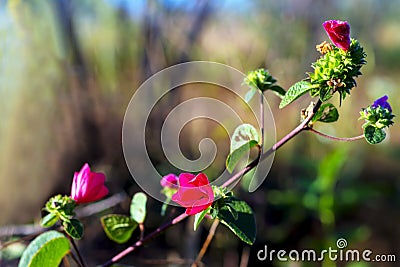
[[336, 69], [379, 114], [377, 117]]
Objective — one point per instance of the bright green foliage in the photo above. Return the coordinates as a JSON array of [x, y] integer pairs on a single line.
[[326, 113], [138, 207], [46, 250], [295, 91], [238, 216], [118, 228], [60, 207], [377, 117], [49, 220], [374, 135], [243, 139], [234, 213], [198, 217], [336, 70], [73, 228], [261, 80]]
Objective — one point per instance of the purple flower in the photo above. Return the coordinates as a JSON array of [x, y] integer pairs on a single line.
[[339, 32], [382, 102], [170, 180]]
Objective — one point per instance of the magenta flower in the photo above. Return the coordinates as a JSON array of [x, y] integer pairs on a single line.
[[88, 186], [194, 193], [170, 180], [382, 102], [339, 33]]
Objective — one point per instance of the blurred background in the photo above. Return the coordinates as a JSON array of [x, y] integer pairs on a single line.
[[69, 68]]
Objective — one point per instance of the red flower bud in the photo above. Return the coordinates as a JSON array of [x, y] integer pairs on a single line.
[[88, 186], [194, 193], [339, 33]]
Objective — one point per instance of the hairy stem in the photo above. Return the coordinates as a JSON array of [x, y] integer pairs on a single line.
[[301, 127], [345, 139]]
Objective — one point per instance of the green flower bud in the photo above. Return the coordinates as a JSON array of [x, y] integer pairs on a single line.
[[336, 69]]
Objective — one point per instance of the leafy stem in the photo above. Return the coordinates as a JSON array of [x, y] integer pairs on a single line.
[[301, 127]]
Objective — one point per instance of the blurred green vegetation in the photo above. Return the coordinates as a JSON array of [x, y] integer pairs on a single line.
[[69, 68]]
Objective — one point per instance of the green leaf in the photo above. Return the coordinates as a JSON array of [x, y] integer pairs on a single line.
[[74, 228], [374, 135], [49, 220], [279, 91], [245, 225], [242, 135], [138, 207], [46, 250], [243, 139], [294, 92], [198, 217], [325, 94], [249, 95], [118, 228], [234, 157], [326, 113]]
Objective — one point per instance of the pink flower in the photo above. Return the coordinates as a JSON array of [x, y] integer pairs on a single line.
[[194, 193], [88, 186], [170, 180], [339, 32]]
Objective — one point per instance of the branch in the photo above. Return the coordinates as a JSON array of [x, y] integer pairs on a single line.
[[301, 127]]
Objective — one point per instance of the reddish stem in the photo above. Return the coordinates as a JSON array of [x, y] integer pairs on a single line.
[[345, 139], [301, 127], [139, 243]]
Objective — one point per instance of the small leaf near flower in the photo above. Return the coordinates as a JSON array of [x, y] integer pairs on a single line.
[[138, 207], [374, 135], [326, 113], [239, 218], [49, 220], [73, 228], [198, 217], [118, 228], [295, 91], [243, 139]]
